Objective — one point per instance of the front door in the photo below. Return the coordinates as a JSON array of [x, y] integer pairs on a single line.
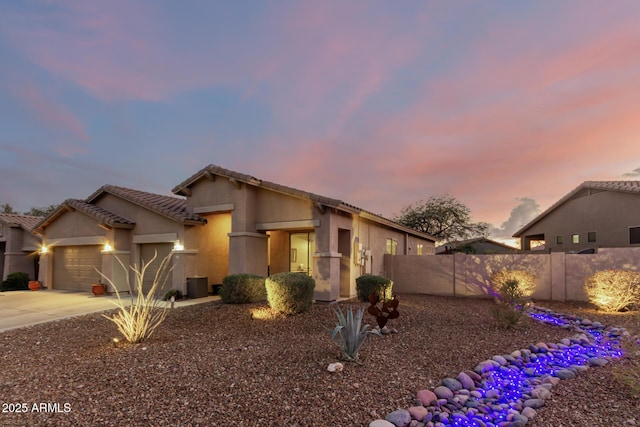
[[302, 247]]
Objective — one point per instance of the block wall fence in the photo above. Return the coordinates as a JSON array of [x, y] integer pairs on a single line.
[[559, 276]]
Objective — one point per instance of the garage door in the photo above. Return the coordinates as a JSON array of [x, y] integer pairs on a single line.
[[74, 267], [147, 252]]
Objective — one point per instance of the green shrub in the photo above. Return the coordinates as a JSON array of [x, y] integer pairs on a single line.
[[349, 333], [526, 282], [368, 284], [172, 293], [16, 282], [613, 290], [242, 289], [290, 293]]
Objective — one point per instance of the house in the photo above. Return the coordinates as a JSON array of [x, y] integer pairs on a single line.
[[478, 245], [223, 222], [266, 228], [595, 214], [18, 245], [83, 238]]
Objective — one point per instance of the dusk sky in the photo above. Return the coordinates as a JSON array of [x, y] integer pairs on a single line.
[[503, 104]]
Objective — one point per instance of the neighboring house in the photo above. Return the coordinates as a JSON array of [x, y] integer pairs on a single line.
[[478, 245], [229, 223], [595, 214], [18, 245], [84, 238], [264, 228]]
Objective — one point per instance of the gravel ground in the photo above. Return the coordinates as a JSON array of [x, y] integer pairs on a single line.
[[214, 365]]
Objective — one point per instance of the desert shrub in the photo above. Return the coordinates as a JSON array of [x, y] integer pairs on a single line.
[[290, 293], [509, 310], [172, 293], [16, 282], [368, 284], [349, 333], [242, 289], [526, 282], [137, 320], [613, 290]]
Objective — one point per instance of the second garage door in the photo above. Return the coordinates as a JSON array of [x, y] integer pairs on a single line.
[[75, 268], [147, 252]]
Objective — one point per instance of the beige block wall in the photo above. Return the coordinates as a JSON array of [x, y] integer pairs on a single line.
[[559, 276]]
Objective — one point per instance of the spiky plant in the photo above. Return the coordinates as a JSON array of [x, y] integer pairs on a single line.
[[137, 320], [349, 333]]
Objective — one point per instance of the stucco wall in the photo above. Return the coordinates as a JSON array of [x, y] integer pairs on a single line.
[[559, 276], [72, 224]]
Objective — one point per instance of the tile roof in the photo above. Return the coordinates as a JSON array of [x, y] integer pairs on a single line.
[[103, 215], [622, 186], [182, 189], [26, 222], [169, 206]]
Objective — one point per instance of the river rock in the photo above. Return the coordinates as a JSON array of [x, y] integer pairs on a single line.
[[452, 384], [427, 397], [534, 403], [443, 392], [381, 423], [418, 412], [529, 412], [399, 418], [565, 374]]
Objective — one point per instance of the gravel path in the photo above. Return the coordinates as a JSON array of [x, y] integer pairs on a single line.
[[215, 365]]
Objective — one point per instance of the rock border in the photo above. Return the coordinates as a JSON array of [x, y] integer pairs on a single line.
[[508, 389]]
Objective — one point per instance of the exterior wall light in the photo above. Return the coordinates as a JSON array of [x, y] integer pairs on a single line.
[[107, 247], [177, 246], [43, 250]]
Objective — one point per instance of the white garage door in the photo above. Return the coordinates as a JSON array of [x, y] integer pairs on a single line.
[[147, 252], [74, 267]]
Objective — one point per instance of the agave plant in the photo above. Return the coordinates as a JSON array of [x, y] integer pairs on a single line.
[[349, 333]]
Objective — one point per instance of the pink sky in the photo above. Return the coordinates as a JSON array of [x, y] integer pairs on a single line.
[[379, 104]]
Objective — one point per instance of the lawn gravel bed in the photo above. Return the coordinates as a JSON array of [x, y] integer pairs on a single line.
[[240, 365]]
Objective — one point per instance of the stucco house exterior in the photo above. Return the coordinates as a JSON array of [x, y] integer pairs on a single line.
[[84, 237], [223, 222], [19, 245], [264, 228], [596, 214]]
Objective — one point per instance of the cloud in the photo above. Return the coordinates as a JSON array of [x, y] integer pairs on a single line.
[[57, 117], [522, 214], [633, 174]]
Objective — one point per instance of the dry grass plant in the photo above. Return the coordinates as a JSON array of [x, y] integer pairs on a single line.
[[613, 290], [526, 281], [137, 321]]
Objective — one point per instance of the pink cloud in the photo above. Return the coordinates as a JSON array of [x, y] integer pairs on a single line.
[[56, 117]]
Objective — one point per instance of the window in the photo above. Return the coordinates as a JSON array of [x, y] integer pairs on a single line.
[[559, 240], [419, 249], [392, 246], [634, 235], [591, 237], [302, 248], [575, 238]]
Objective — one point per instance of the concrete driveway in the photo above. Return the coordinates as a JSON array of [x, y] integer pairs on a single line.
[[24, 308]]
